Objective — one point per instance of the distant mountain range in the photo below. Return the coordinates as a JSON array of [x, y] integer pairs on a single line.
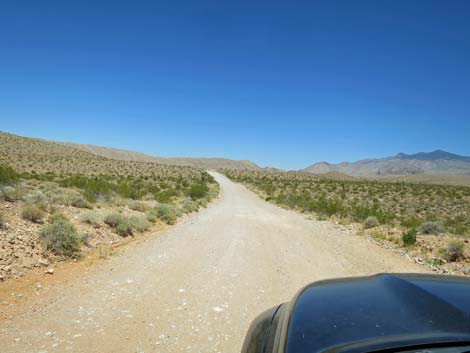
[[436, 162], [416, 165]]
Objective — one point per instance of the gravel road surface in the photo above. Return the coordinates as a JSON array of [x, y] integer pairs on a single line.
[[197, 286]]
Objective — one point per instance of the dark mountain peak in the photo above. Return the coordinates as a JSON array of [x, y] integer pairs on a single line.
[[433, 156]]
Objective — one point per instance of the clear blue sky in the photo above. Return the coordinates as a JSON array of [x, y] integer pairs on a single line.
[[280, 83]]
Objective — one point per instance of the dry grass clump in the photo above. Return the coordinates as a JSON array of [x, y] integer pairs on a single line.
[[32, 213], [454, 250]]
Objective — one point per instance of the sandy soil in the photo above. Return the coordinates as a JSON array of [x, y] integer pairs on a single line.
[[197, 286]]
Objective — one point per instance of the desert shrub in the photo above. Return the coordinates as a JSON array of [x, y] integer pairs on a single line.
[[120, 223], [140, 224], [7, 175], [454, 250], [431, 228], [9, 193], [62, 238], [409, 237], [113, 219], [371, 222], [189, 206], [166, 213], [80, 202], [90, 217], [198, 191], [152, 215], [32, 213], [38, 199], [124, 228], [57, 216], [138, 206], [2, 221], [166, 195]]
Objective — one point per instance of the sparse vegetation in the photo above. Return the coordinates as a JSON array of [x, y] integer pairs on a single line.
[[61, 238], [2, 221], [44, 179], [432, 209], [32, 213]]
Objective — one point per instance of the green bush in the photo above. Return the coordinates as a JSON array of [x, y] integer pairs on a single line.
[[189, 206], [454, 250], [166, 213], [166, 195], [80, 202], [371, 222], [138, 206], [7, 175], [62, 238], [140, 224], [57, 216], [124, 228], [120, 223], [32, 213], [198, 191], [409, 237], [152, 215], [432, 228], [91, 217], [113, 219]]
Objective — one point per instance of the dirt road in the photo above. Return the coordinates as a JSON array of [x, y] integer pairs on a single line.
[[196, 287]]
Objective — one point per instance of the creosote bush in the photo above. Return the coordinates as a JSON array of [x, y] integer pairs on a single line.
[[432, 228], [409, 237], [166, 213], [371, 222], [61, 238], [7, 175], [120, 223], [32, 213], [124, 228], [198, 191]]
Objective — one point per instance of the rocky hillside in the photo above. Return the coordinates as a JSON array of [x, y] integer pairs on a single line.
[[436, 162], [125, 155]]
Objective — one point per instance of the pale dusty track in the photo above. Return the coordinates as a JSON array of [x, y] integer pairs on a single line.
[[196, 287]]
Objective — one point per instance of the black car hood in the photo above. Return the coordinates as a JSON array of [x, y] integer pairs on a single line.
[[379, 312]]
